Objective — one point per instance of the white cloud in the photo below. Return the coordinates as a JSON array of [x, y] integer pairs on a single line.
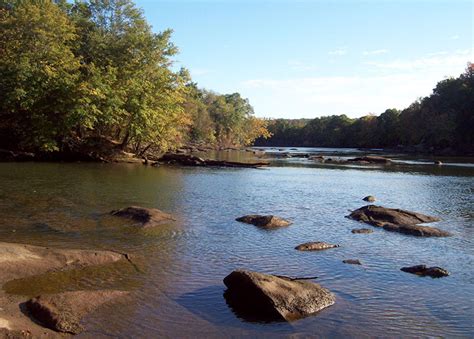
[[395, 83], [298, 65], [376, 52], [439, 60], [338, 52], [455, 37]]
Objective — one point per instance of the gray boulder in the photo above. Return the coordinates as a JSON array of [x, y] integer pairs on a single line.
[[275, 298]]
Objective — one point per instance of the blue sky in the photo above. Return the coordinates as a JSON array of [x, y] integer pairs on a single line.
[[296, 59]]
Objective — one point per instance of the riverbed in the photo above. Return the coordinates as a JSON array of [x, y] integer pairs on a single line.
[[177, 287]]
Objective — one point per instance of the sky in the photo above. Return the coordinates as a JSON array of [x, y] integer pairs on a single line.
[[304, 59]]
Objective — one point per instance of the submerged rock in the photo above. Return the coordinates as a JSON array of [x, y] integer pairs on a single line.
[[369, 198], [362, 231], [315, 246], [422, 270], [147, 217], [19, 260], [397, 220], [265, 221], [63, 312], [352, 261], [275, 298]]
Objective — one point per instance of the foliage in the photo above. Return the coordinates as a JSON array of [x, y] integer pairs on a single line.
[[442, 121], [95, 69]]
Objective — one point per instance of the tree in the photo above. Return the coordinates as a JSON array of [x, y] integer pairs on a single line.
[[39, 75]]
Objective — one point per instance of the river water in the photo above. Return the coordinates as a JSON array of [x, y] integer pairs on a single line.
[[176, 282]]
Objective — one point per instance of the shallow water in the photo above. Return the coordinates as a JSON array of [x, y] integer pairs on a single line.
[[176, 284]]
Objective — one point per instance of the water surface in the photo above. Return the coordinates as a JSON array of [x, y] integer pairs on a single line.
[[176, 284]]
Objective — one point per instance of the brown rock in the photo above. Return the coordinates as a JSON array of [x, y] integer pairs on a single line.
[[19, 260], [276, 298], [63, 312], [417, 230], [315, 246], [147, 217], [422, 270], [362, 231], [352, 261], [265, 221], [396, 220]]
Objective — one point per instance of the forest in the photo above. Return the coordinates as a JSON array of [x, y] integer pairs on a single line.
[[80, 73], [441, 122], [76, 74]]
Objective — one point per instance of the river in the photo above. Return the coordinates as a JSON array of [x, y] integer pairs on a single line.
[[176, 285]]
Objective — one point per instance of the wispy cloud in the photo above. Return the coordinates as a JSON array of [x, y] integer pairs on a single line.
[[432, 60], [339, 51], [454, 37], [395, 83], [376, 52]]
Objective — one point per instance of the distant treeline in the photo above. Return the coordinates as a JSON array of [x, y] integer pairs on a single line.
[[443, 121], [71, 72]]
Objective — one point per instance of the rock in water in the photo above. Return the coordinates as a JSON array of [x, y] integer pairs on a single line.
[[265, 221], [147, 217], [369, 198], [352, 261], [315, 246], [416, 230], [371, 159], [397, 220], [63, 312], [422, 270], [362, 231], [276, 298]]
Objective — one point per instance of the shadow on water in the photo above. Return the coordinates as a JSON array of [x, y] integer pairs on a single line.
[[212, 303]]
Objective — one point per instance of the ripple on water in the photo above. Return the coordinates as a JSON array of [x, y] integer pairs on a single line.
[[178, 288]]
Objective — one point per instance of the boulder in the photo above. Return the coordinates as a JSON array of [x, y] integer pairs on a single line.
[[437, 162], [146, 217], [275, 298], [265, 221], [362, 231], [371, 160], [369, 198], [397, 220], [315, 246], [63, 312], [352, 261], [422, 270]]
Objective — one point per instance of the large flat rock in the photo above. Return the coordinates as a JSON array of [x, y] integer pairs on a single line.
[[63, 312], [276, 298], [397, 220], [19, 260]]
